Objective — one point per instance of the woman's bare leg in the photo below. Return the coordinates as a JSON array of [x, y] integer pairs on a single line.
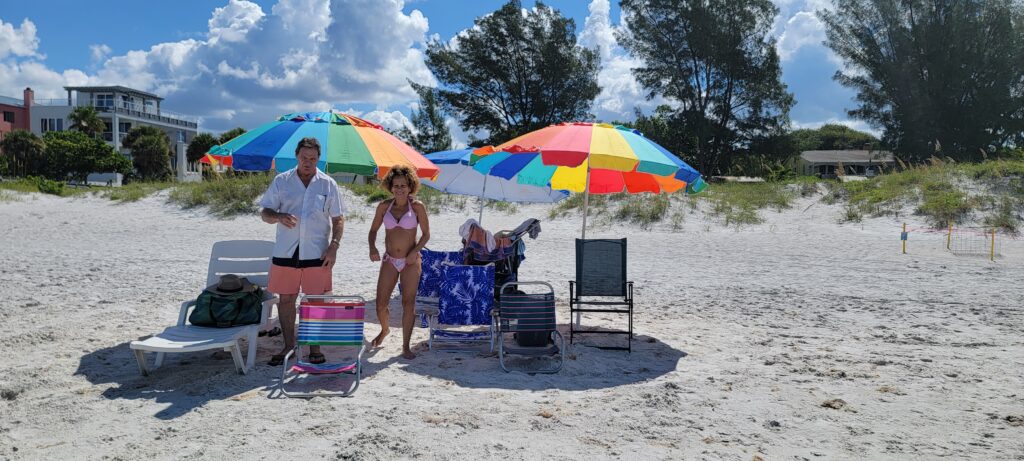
[[410, 283], [386, 281]]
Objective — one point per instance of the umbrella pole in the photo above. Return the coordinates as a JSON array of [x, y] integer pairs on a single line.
[[583, 234], [480, 221]]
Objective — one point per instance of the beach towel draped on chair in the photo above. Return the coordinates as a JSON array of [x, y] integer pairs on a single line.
[[327, 321]]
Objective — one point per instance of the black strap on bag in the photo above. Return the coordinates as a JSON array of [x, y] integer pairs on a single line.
[[224, 310]]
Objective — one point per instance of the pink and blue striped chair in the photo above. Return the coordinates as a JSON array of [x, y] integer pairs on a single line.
[[326, 321]]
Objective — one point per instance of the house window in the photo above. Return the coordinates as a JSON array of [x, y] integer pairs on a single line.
[[9, 117], [52, 124], [104, 100], [181, 136], [124, 127], [150, 106]]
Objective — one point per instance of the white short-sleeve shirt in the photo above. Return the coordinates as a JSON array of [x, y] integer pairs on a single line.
[[314, 206]]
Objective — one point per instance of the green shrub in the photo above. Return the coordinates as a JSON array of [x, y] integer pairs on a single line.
[[643, 209], [134, 191], [738, 203], [372, 192], [225, 197], [6, 196], [1005, 216], [48, 186]]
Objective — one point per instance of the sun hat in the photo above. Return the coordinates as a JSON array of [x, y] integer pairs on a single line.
[[231, 283]]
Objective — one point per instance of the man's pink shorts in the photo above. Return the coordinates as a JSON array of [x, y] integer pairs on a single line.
[[289, 280]]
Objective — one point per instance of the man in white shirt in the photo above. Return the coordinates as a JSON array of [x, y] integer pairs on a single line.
[[306, 206]]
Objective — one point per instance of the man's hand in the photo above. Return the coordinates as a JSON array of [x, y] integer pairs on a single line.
[[330, 255], [289, 221]]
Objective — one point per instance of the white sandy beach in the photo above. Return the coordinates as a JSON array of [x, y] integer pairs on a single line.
[[742, 335]]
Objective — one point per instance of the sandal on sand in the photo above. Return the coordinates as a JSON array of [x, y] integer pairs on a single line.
[[276, 360], [271, 332], [316, 358]]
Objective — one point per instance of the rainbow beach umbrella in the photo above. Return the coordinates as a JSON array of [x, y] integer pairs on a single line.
[[593, 158], [349, 145]]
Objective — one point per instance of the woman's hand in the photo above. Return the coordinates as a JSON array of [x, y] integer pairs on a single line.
[[412, 258], [374, 255]]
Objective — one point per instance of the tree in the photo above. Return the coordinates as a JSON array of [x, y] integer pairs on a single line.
[[935, 75], [431, 133], [152, 159], [716, 64], [24, 152], [514, 72], [142, 131], [230, 134], [831, 137], [86, 120], [75, 155], [200, 145]]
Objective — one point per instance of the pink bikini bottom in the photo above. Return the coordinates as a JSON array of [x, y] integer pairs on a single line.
[[399, 263]]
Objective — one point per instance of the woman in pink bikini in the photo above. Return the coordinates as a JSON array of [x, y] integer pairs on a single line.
[[400, 215]]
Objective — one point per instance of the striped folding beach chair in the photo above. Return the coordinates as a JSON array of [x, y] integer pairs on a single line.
[[326, 321], [525, 315]]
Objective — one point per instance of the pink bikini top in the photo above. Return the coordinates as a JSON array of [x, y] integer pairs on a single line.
[[408, 221]]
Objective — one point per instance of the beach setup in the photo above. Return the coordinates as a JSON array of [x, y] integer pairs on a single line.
[[457, 176], [594, 158], [349, 145]]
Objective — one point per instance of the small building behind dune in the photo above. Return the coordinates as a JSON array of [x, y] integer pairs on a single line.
[[829, 164]]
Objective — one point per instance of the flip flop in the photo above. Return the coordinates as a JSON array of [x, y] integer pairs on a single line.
[[276, 360], [271, 332], [316, 358]]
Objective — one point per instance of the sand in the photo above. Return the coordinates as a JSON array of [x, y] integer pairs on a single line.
[[799, 338]]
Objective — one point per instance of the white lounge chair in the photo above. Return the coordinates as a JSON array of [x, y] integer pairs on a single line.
[[247, 258]]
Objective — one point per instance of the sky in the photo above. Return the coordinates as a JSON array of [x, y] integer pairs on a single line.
[[242, 63]]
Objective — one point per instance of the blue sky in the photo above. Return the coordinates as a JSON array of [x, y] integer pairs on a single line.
[[239, 63]]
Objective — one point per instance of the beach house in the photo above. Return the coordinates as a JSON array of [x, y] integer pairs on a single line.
[[120, 108], [829, 164]]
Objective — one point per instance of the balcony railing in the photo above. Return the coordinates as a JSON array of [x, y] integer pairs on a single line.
[[130, 109]]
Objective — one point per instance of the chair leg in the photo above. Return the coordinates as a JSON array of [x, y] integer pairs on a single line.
[[236, 355], [250, 357], [159, 360], [140, 358]]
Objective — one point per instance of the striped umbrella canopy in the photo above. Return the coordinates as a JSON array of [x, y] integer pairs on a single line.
[[593, 158], [458, 177], [348, 145], [617, 158]]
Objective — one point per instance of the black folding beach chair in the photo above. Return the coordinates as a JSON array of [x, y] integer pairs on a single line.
[[601, 274], [530, 319]]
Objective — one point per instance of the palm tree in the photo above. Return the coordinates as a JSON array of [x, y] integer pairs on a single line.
[[86, 120], [24, 152]]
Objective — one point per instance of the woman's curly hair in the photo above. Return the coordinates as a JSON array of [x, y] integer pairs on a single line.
[[401, 171]]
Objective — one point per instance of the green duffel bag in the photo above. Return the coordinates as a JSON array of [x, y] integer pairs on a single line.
[[232, 302]]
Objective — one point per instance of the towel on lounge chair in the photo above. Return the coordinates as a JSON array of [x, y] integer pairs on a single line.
[[484, 246]]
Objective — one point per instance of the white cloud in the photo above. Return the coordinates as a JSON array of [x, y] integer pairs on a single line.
[[802, 29], [99, 52], [391, 121], [620, 92], [21, 41], [252, 66], [233, 22]]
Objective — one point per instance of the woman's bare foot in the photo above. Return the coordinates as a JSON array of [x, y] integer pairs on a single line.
[[408, 354], [380, 338]]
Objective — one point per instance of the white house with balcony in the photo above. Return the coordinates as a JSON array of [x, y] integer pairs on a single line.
[[121, 109]]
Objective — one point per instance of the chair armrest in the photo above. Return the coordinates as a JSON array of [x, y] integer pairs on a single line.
[[268, 307], [184, 311]]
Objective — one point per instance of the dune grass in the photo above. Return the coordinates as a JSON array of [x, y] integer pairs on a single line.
[[135, 191], [738, 204], [226, 197], [937, 191]]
